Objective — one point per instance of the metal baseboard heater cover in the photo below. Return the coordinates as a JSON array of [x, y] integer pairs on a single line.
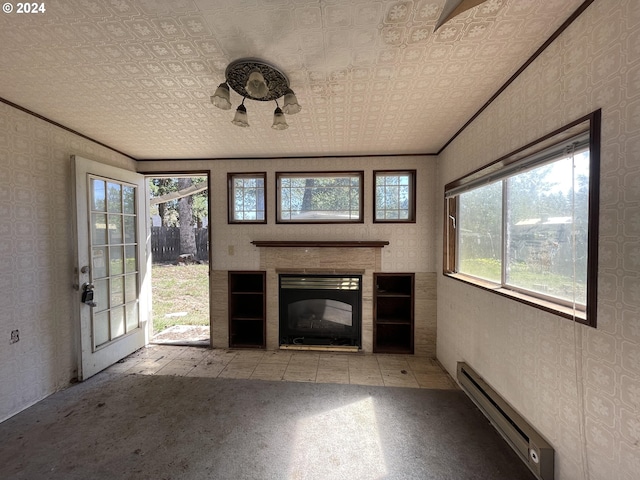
[[533, 449]]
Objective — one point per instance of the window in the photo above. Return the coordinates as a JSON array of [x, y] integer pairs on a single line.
[[247, 198], [394, 196], [526, 226], [305, 197]]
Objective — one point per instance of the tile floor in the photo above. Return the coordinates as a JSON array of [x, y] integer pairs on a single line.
[[286, 365]]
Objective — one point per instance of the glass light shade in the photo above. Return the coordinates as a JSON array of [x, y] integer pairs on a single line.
[[221, 98], [256, 85], [279, 122], [240, 119], [291, 105]]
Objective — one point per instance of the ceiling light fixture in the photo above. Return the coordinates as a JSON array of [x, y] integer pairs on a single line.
[[257, 80]]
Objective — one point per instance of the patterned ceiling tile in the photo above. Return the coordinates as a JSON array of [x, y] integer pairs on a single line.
[[372, 76]]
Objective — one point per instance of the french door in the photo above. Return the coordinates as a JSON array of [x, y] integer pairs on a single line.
[[113, 297]]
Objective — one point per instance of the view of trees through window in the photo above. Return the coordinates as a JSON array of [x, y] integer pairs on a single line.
[[394, 196], [247, 198], [543, 248], [480, 232], [332, 197]]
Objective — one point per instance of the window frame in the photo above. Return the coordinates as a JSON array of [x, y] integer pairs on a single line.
[[590, 123], [231, 176], [412, 196], [320, 174]]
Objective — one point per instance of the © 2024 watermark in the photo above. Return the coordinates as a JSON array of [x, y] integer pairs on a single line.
[[20, 7]]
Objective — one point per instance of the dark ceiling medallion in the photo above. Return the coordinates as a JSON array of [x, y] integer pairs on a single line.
[[238, 72]]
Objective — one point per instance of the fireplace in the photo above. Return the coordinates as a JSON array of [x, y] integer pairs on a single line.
[[320, 310]]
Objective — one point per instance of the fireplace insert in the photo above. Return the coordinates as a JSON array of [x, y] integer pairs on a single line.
[[320, 309]]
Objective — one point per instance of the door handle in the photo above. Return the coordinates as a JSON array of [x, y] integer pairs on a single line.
[[87, 295]]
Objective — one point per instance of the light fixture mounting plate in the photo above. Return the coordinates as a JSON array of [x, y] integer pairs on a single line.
[[238, 72]]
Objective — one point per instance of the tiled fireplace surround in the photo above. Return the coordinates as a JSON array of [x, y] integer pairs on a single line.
[[327, 260]]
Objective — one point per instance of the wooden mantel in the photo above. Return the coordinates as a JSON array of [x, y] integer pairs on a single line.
[[316, 243]]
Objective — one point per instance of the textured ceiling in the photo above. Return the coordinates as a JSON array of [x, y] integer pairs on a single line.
[[371, 75]]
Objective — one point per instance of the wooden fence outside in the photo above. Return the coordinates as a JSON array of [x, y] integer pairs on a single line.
[[165, 244]]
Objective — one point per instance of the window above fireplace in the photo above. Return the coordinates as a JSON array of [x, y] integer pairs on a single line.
[[395, 196], [246, 197], [312, 197]]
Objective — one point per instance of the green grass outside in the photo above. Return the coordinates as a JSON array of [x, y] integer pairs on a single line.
[[524, 277], [178, 289], [487, 268]]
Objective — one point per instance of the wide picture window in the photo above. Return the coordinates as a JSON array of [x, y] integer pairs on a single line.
[[526, 226], [319, 197]]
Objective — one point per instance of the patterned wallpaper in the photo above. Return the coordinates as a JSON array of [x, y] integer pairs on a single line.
[[36, 248], [371, 75], [36, 242], [411, 246], [579, 386]]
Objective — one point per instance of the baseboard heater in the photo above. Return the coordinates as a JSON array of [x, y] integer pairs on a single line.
[[534, 450]]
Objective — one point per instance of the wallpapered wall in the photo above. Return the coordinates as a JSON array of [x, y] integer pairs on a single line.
[[411, 247], [36, 248], [578, 385], [36, 241], [534, 359]]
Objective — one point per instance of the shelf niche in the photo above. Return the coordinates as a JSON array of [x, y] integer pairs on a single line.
[[247, 307], [393, 312]]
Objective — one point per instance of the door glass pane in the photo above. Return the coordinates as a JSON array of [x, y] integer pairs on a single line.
[[131, 263], [101, 295], [114, 254], [129, 229], [115, 229], [130, 288], [132, 316], [98, 196], [100, 262], [117, 322], [117, 261], [99, 229], [101, 328], [129, 199], [480, 232], [117, 291], [114, 197]]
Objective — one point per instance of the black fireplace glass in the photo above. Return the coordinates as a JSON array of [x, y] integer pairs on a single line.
[[320, 310]]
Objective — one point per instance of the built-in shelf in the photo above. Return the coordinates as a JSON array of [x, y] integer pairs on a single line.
[[393, 312], [315, 243], [247, 307]]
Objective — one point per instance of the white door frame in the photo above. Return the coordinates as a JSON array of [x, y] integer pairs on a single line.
[[92, 360]]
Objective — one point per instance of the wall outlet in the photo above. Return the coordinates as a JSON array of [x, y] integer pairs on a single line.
[[15, 336]]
